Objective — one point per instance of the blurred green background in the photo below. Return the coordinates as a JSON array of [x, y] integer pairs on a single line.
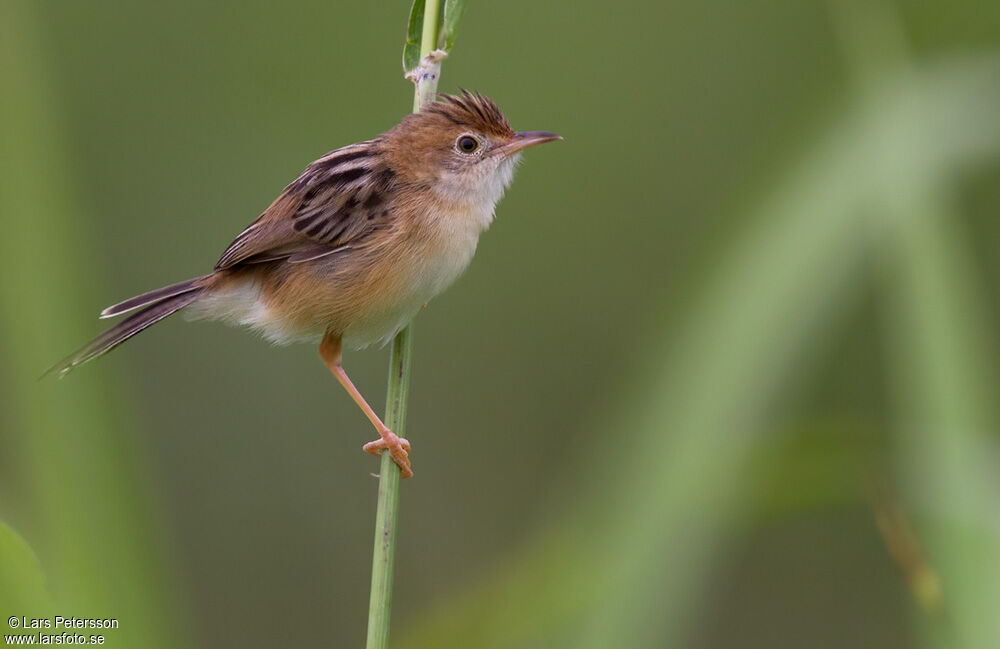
[[723, 373]]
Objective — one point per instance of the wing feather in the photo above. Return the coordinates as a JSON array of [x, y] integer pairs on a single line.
[[337, 200]]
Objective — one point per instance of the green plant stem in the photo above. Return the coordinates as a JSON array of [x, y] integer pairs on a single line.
[[426, 83], [383, 559], [429, 37]]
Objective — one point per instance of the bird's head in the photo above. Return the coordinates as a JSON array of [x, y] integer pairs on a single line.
[[462, 146]]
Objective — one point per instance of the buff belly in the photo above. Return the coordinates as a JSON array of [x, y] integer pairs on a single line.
[[388, 306]]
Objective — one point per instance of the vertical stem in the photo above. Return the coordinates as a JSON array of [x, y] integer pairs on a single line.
[[430, 66], [380, 604], [429, 37]]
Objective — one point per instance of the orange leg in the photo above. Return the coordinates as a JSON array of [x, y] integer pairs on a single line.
[[399, 448]]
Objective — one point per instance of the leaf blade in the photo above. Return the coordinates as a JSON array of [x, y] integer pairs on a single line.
[[452, 14], [22, 583], [411, 48]]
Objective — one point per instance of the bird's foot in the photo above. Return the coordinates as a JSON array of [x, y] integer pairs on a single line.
[[398, 447]]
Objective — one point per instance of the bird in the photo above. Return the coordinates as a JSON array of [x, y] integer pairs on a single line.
[[351, 249]]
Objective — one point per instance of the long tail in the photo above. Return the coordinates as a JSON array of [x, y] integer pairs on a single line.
[[157, 305]]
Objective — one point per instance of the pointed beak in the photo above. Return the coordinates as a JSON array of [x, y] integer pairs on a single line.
[[526, 139]]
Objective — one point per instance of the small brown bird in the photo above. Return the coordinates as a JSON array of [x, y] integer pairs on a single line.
[[353, 247]]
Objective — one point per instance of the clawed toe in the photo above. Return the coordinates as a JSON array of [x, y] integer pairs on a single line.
[[398, 447], [380, 444]]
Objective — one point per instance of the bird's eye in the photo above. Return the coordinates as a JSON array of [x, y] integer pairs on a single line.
[[467, 144]]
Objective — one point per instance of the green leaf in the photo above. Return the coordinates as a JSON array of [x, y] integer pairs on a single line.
[[452, 14], [22, 584], [411, 50]]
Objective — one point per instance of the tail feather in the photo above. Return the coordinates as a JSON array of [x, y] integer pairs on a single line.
[[125, 329], [154, 296]]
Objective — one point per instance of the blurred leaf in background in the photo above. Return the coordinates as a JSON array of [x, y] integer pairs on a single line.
[[869, 193], [22, 585], [80, 490]]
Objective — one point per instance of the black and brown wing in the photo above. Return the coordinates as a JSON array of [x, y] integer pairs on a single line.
[[334, 202]]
